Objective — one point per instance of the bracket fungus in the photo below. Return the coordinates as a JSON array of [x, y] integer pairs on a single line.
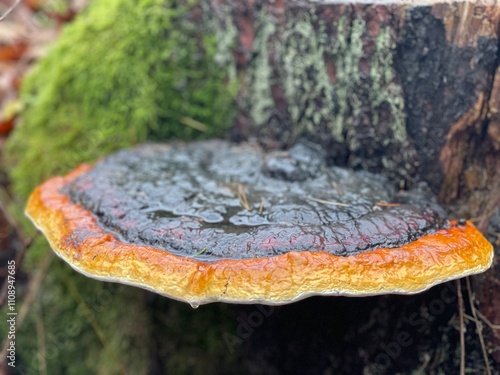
[[214, 221]]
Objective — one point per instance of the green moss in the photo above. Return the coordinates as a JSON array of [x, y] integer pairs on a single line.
[[123, 72]]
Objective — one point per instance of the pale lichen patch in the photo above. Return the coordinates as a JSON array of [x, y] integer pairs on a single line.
[[259, 77], [305, 77], [384, 89]]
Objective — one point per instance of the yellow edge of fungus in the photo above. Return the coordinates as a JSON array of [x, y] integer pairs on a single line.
[[76, 237]]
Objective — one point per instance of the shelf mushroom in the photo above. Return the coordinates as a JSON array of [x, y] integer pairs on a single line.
[[215, 221]]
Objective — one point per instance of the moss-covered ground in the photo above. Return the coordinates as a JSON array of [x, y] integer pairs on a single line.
[[124, 72]]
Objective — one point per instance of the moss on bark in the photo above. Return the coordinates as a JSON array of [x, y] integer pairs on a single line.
[[123, 72]]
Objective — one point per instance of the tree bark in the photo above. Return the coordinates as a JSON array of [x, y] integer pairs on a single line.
[[388, 88], [409, 91]]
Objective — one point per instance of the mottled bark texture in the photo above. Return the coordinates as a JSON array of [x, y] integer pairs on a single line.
[[411, 92], [387, 88]]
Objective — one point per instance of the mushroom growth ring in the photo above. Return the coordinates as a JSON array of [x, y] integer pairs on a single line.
[[215, 221]]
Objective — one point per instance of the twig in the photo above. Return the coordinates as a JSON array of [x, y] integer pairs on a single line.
[[261, 207], [383, 204], [427, 359], [486, 320], [35, 286], [479, 327], [192, 123], [8, 11], [40, 338], [436, 360], [462, 327], [332, 203], [201, 252], [243, 198], [468, 318], [73, 290], [339, 188]]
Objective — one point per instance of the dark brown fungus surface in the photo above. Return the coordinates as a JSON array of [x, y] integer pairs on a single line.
[[214, 221]]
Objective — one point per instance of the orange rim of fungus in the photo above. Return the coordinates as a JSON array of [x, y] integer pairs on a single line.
[[446, 254]]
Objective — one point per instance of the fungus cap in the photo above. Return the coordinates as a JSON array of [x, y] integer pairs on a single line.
[[212, 221]]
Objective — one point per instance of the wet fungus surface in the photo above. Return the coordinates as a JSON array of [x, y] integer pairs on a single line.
[[219, 201], [214, 221]]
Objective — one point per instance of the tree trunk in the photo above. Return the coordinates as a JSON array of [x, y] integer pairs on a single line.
[[409, 91]]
